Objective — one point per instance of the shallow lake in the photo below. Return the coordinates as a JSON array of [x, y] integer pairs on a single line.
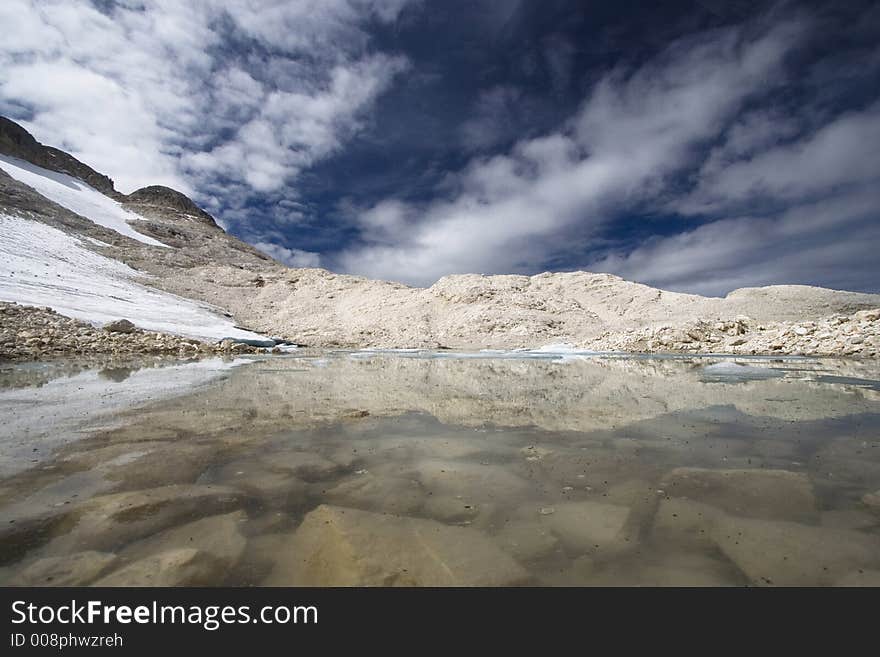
[[414, 468]]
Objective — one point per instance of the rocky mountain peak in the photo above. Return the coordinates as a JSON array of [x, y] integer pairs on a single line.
[[159, 196]]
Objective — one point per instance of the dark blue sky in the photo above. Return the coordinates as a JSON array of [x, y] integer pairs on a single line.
[[697, 146]]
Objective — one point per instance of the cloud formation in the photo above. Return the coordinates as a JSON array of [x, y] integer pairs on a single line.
[[635, 129], [220, 99], [781, 195], [738, 155], [290, 257]]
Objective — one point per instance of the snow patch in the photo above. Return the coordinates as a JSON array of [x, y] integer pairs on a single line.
[[43, 266], [73, 194]]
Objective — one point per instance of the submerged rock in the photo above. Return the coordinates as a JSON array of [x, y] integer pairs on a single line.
[[869, 578], [451, 509], [76, 569], [474, 481], [274, 489], [107, 522], [685, 522], [218, 536], [689, 569], [526, 539], [591, 527], [179, 567], [377, 493], [336, 546], [848, 519], [307, 465], [791, 554], [768, 494]]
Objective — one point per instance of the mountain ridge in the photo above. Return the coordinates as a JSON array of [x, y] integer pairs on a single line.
[[202, 263]]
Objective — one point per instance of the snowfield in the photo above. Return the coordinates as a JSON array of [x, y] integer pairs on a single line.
[[43, 266], [76, 196]]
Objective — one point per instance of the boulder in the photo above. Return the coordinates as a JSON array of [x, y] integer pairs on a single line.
[[120, 326], [250, 342], [336, 546]]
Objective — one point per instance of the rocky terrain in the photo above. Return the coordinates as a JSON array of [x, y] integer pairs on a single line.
[[836, 335], [28, 333], [318, 308]]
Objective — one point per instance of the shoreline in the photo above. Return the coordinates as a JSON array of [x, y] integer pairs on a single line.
[[30, 333]]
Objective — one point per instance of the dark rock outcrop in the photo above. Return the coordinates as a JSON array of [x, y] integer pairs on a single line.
[[15, 141]]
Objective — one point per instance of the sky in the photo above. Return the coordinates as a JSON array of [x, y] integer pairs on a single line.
[[696, 146]]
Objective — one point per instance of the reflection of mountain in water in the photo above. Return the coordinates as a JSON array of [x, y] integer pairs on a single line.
[[591, 471], [578, 395]]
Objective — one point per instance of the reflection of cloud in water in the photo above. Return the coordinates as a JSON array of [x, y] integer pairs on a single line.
[[36, 419], [576, 395]]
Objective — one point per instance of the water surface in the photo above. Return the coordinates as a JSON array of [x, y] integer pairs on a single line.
[[431, 469]]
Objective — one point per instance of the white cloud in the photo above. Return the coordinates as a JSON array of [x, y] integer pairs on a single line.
[[150, 92], [843, 152], [821, 224], [292, 130], [290, 257], [635, 130], [832, 242]]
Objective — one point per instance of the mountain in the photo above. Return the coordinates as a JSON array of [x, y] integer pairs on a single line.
[[71, 241]]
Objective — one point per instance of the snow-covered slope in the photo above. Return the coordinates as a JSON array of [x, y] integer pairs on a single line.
[[76, 196], [43, 266]]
